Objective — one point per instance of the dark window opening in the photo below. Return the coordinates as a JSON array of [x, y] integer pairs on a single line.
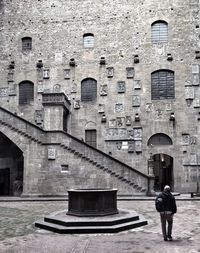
[[91, 137], [26, 43], [26, 93], [88, 90]]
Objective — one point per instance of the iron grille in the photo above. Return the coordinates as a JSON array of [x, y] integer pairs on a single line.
[[88, 90], [26, 93], [159, 32]]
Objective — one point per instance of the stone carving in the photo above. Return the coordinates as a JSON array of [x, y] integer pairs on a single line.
[[186, 139], [119, 107], [119, 145], [193, 140], [51, 153], [189, 92], [112, 123], [149, 107], [130, 72], [138, 146], [120, 122], [125, 145], [40, 87], [121, 88], [4, 92], [76, 104], [46, 73], [104, 90], [101, 108], [39, 117], [110, 72], [116, 134], [128, 120], [168, 107], [103, 118], [66, 73], [74, 88], [130, 146], [12, 91], [195, 79], [196, 103], [137, 133], [11, 75], [193, 159], [57, 88], [195, 69], [130, 134], [137, 84], [136, 101]]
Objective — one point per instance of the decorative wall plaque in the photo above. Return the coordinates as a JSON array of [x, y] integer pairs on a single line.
[[66, 73], [131, 146], [168, 107], [189, 92], [137, 133], [12, 91], [39, 117], [112, 123], [186, 139], [57, 88], [149, 107], [137, 84], [120, 122], [136, 101], [195, 69], [119, 107], [46, 73], [104, 90], [4, 92], [121, 88], [101, 108], [74, 88], [125, 145], [130, 72], [110, 72], [128, 120], [40, 87], [51, 153], [196, 103], [76, 104], [195, 79], [130, 134], [119, 145], [11, 75], [138, 146]]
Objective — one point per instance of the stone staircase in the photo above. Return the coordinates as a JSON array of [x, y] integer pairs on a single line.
[[11, 123]]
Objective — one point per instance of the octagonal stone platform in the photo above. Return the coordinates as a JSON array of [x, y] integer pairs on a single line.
[[61, 223]]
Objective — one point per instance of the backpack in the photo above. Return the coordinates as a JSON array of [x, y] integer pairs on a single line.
[[159, 203]]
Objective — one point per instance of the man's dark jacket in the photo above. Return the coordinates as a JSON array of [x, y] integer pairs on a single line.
[[165, 201]]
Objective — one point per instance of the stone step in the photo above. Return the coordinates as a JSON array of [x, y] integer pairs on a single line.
[[90, 229]]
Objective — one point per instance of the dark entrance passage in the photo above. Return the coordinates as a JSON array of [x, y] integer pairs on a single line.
[[11, 168], [163, 171]]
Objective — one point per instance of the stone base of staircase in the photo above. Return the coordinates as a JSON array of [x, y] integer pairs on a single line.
[[62, 223]]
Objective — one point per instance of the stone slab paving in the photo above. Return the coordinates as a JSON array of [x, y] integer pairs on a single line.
[[18, 235]]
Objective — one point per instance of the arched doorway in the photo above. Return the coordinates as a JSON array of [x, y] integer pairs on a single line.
[[163, 171], [11, 168]]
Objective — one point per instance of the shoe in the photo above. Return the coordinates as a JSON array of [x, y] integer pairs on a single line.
[[165, 239], [170, 238]]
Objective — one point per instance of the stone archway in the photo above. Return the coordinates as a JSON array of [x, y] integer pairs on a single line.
[[11, 168], [163, 171]]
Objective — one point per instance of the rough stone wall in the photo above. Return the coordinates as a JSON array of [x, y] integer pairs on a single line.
[[121, 30]]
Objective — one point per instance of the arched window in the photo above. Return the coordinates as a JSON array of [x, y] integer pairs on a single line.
[[26, 43], [26, 92], [162, 85], [159, 139], [159, 32], [88, 40], [88, 90]]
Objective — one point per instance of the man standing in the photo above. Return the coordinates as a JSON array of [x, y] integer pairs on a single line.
[[166, 206]]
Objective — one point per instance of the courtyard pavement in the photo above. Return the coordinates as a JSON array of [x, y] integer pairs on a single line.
[[18, 234]]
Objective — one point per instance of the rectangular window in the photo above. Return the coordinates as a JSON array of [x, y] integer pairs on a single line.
[[91, 137]]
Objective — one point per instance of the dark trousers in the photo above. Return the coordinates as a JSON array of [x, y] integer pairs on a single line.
[[166, 218]]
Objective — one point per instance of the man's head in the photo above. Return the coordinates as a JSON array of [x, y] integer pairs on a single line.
[[167, 188]]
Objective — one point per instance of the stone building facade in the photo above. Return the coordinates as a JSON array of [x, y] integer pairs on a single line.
[[99, 94]]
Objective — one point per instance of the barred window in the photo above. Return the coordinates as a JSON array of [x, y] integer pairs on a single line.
[[26, 43], [159, 139], [159, 32], [88, 90], [162, 85], [26, 92], [88, 40], [91, 137]]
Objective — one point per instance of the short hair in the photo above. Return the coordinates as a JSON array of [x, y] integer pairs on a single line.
[[167, 188]]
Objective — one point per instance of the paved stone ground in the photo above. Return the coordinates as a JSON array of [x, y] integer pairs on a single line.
[[18, 235]]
